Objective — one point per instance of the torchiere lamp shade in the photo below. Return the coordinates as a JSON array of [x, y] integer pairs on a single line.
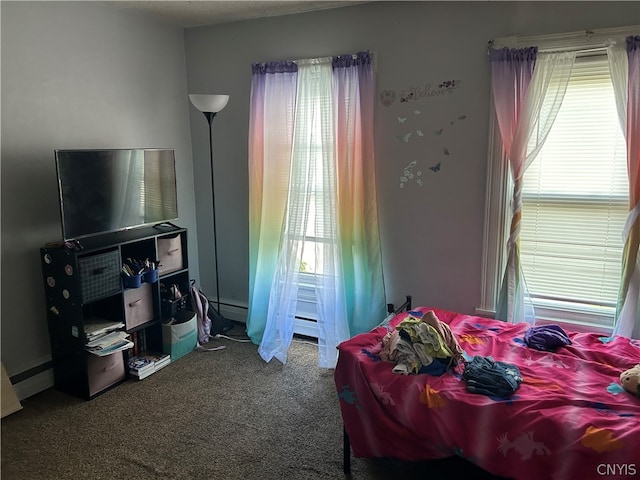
[[209, 103]]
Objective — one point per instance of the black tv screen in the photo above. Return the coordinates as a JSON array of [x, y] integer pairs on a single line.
[[105, 191]]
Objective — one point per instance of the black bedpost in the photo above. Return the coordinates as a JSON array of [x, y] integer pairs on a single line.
[[346, 450]]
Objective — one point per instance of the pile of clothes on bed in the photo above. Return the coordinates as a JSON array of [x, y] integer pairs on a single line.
[[421, 345], [427, 345]]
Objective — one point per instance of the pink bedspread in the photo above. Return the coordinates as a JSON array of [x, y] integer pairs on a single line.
[[569, 419]]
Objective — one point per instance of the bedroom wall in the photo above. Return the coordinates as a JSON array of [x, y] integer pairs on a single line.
[[431, 220], [76, 75]]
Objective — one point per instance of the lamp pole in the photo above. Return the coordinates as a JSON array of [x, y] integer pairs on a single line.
[[210, 105], [210, 116]]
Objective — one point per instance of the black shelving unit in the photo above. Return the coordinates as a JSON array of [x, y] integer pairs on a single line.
[[82, 284]]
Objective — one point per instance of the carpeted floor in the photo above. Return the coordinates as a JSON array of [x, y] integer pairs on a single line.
[[210, 415]]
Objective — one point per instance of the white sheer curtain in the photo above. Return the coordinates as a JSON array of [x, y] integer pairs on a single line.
[[316, 79], [542, 102], [619, 68], [312, 196]]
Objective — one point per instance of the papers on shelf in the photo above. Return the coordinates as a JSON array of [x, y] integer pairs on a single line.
[[104, 338], [96, 328], [107, 340], [116, 347]]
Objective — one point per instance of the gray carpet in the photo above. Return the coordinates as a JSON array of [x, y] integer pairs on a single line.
[[210, 415]]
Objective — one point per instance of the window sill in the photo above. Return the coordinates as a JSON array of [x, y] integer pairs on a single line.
[[573, 319]]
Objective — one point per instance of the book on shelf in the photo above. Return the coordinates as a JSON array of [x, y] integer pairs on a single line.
[[142, 375], [159, 359], [139, 365], [143, 365]]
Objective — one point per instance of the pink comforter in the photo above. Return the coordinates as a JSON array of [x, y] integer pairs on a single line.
[[569, 419]]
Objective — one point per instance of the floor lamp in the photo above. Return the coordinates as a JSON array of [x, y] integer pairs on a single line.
[[210, 105]]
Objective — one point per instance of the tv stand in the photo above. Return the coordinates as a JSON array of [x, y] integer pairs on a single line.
[[85, 285]]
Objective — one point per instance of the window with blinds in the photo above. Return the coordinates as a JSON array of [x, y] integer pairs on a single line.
[[575, 204]]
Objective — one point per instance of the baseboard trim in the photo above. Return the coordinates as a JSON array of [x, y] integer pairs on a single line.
[[34, 384], [237, 313]]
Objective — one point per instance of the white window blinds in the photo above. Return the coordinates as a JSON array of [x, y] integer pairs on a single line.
[[575, 201]]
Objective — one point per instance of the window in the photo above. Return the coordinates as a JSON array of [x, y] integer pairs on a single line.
[[316, 235], [574, 195], [312, 191], [575, 203]]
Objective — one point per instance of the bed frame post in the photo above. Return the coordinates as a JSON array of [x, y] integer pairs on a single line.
[[346, 444], [346, 452]]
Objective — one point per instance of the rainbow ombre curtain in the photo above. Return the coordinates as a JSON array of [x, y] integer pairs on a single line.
[[528, 89], [326, 104], [625, 74]]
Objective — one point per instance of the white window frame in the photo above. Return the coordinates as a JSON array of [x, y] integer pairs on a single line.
[[499, 185]]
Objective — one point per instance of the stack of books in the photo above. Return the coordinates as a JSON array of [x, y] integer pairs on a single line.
[[141, 366], [104, 337]]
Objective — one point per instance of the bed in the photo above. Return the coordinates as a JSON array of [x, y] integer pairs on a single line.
[[568, 419]]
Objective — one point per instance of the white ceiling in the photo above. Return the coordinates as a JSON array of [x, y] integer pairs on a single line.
[[209, 12]]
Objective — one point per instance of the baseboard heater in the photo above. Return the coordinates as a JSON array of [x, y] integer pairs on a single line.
[[32, 381]]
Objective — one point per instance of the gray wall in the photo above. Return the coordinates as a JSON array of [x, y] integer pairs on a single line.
[[76, 75], [431, 234]]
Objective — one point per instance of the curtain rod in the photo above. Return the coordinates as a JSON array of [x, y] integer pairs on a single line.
[[584, 40], [374, 59]]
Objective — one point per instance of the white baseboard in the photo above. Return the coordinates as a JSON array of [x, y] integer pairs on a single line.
[[35, 384], [237, 313]]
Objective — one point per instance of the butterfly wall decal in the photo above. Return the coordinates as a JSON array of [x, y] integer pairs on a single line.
[[436, 167], [404, 138], [402, 119]]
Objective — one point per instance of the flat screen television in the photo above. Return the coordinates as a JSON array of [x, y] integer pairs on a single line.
[[104, 191]]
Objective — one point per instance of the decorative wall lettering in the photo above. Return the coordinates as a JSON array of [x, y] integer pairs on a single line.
[[412, 94]]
